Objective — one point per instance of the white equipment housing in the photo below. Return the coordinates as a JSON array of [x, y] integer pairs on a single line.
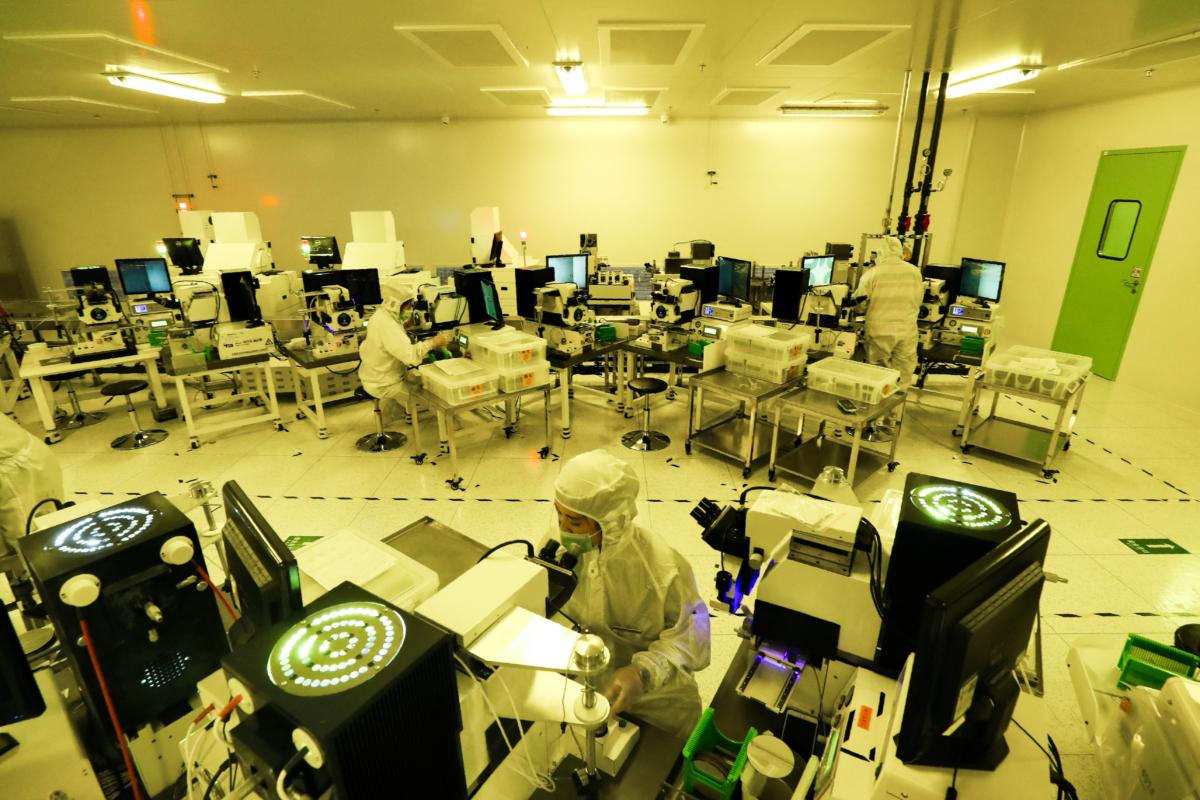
[[197, 225], [485, 223], [375, 243], [237, 340], [238, 244]]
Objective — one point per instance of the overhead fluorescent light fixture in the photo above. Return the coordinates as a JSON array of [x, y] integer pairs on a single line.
[[991, 78], [1167, 56], [597, 110], [570, 75], [868, 109], [177, 88]]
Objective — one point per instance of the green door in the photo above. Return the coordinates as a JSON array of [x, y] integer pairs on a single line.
[[1129, 199]]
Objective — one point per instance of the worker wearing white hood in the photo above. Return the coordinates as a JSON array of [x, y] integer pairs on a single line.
[[635, 592], [388, 351], [894, 291], [29, 474]]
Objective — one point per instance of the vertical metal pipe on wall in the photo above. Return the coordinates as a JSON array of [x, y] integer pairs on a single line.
[[887, 213], [920, 225], [902, 220]]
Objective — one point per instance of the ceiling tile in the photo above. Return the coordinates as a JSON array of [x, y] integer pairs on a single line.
[[465, 45], [746, 95], [518, 95], [826, 45], [69, 104], [103, 48], [630, 97], [647, 44], [297, 99], [1151, 56]]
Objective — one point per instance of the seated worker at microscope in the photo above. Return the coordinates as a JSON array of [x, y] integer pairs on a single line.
[[388, 351], [635, 592]]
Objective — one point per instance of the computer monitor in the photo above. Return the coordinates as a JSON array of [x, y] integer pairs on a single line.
[[706, 278], [981, 279], [571, 268], [144, 275], [185, 254], [86, 277], [842, 252], [950, 273], [483, 305], [733, 278], [702, 250], [820, 269], [237, 287], [266, 578], [321, 250], [974, 629], [528, 280], [790, 287], [361, 284], [497, 251], [20, 697], [491, 302]]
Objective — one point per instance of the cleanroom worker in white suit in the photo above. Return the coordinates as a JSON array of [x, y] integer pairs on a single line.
[[635, 592], [29, 473], [894, 291], [388, 350]]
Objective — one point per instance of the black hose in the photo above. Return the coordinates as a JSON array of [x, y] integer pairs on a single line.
[[226, 764], [749, 489], [29, 519], [528, 546]]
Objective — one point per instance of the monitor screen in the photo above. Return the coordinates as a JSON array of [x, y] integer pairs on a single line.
[[321, 250], [83, 277], [528, 281], [820, 269], [184, 252], [144, 275], [20, 697], [981, 279], [733, 278], [497, 251], [491, 304], [570, 268], [266, 578], [362, 284], [790, 286], [238, 288]]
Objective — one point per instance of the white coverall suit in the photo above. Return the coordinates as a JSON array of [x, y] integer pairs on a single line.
[[637, 594], [29, 473], [895, 290], [388, 352]]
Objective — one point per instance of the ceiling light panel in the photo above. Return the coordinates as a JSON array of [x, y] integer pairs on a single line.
[[102, 47], [465, 45], [297, 99], [832, 109], [826, 45], [70, 104], [746, 95], [647, 44], [518, 95], [617, 96]]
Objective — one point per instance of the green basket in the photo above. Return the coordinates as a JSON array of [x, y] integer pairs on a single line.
[[706, 738], [1146, 662], [696, 349], [971, 346], [606, 333]]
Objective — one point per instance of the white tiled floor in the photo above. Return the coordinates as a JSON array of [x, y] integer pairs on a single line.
[[1133, 471]]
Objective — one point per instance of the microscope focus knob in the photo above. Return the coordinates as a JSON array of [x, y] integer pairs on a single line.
[[177, 550], [80, 590]]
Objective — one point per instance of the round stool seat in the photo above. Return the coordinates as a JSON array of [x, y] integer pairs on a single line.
[[642, 386], [361, 393], [1187, 638], [123, 388]]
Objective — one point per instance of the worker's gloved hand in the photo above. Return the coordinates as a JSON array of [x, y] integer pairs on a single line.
[[439, 341], [624, 689]]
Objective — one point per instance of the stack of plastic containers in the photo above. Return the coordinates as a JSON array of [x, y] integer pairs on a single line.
[[518, 357], [1032, 369], [772, 354], [865, 383], [459, 380]]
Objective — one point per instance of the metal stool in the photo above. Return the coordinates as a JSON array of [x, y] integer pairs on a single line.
[[139, 438], [78, 418], [645, 439], [380, 441]]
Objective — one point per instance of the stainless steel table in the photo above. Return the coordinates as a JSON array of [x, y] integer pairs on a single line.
[[308, 369], [635, 357], [565, 364], [830, 444], [220, 421], [736, 432], [447, 415]]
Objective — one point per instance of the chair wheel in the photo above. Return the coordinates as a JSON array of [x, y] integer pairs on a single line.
[[544, 452], [745, 472], [687, 448], [957, 432], [967, 448], [195, 445], [300, 415], [771, 475], [892, 466], [1049, 474], [1067, 445]]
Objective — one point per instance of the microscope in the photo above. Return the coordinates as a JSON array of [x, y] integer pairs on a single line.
[[674, 301], [104, 331], [563, 319], [438, 308], [333, 323]]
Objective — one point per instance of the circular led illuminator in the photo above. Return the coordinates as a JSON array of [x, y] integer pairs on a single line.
[[104, 530], [336, 648], [961, 506]]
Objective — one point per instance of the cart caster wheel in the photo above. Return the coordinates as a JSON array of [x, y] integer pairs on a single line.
[[52, 439], [892, 466], [687, 448], [745, 473], [444, 449], [195, 445], [544, 453], [570, 394], [967, 448], [670, 395], [279, 427], [508, 432], [956, 433], [1049, 474], [301, 415], [566, 433], [771, 475], [456, 483], [322, 434], [1067, 445]]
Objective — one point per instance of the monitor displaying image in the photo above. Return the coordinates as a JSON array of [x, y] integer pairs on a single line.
[[144, 275], [571, 268], [981, 279], [820, 269]]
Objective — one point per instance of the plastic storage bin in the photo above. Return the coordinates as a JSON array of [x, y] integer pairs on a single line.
[[1028, 369], [741, 339], [507, 349], [782, 345], [1147, 662], [764, 369], [854, 380], [459, 380], [514, 379], [707, 740]]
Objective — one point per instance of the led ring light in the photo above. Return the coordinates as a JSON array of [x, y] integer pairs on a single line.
[[961, 506], [337, 648], [104, 530]]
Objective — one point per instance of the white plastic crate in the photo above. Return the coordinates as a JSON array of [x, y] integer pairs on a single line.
[[854, 380], [765, 369], [459, 380], [741, 338], [783, 345], [508, 348], [514, 379], [1032, 369]]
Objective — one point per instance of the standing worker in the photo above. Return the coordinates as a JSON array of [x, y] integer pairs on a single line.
[[894, 291], [635, 592], [388, 351], [29, 474]]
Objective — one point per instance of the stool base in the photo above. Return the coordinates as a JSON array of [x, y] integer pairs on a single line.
[[139, 439], [82, 419], [646, 441], [381, 442]]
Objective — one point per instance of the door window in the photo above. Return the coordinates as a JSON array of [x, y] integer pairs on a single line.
[[1119, 224]]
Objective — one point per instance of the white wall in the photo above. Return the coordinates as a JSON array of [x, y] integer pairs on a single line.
[[784, 186], [1059, 152]]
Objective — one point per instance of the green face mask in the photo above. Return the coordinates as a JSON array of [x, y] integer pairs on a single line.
[[405, 316], [577, 543]]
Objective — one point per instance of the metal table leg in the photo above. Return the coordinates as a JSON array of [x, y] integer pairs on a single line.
[[43, 397], [447, 424], [156, 386], [565, 391], [272, 398], [855, 446], [185, 410]]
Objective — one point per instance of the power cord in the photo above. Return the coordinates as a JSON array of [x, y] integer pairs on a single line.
[[1065, 788], [528, 546]]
